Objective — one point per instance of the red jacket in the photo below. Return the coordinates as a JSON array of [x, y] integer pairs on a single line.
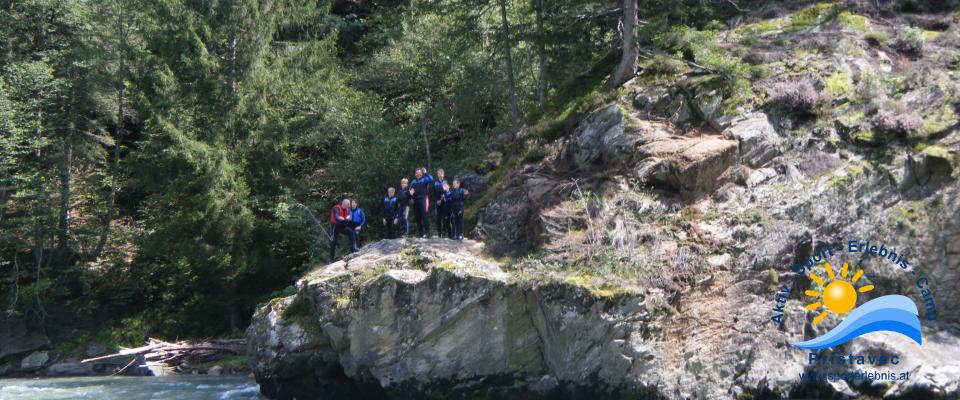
[[342, 213]]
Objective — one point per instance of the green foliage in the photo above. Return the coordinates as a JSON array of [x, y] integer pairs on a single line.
[[952, 59], [760, 27], [854, 21], [908, 5], [663, 65], [939, 120], [876, 38], [701, 47], [911, 40], [814, 15], [839, 85]]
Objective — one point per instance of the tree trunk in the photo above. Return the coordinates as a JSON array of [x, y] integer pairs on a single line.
[[541, 53], [115, 164], [232, 55], [426, 142], [63, 233], [508, 63], [232, 50], [37, 210], [628, 61], [66, 181], [3, 197]]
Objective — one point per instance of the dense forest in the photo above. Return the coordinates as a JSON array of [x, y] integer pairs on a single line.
[[161, 160]]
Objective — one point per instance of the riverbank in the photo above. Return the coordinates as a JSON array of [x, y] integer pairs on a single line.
[[30, 354]]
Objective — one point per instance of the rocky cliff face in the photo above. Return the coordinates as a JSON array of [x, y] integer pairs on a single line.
[[642, 250], [435, 319]]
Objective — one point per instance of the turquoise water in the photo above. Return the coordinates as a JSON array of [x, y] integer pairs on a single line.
[[185, 387]]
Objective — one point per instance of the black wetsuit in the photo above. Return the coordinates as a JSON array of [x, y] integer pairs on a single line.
[[421, 201], [391, 208], [454, 204], [443, 223], [403, 202]]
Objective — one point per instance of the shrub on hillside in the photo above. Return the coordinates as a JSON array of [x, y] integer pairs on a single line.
[[797, 95], [875, 38], [663, 65], [952, 60], [897, 120], [870, 89], [910, 40]]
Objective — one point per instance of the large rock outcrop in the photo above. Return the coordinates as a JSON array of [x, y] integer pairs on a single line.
[[434, 319], [651, 238]]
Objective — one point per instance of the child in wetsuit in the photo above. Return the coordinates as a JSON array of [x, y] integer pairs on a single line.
[[453, 203], [403, 204], [391, 212]]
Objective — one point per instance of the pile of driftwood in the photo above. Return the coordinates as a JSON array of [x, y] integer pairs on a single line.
[[165, 358]]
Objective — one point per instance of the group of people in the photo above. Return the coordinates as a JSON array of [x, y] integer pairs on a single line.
[[347, 218]]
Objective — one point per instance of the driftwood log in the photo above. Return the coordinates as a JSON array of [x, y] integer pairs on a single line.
[[169, 356]]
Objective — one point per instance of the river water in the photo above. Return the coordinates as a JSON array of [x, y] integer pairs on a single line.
[[183, 387]]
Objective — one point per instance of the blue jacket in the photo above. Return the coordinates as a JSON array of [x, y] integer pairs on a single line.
[[454, 198], [391, 207], [357, 217], [421, 185], [437, 192]]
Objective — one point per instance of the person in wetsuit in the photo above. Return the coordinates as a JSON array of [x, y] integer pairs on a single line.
[[453, 202], [420, 190], [391, 212], [403, 203], [358, 220], [340, 225], [436, 194]]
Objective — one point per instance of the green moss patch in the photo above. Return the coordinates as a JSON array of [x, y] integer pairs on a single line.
[[760, 27], [599, 290], [944, 118], [839, 85], [809, 17], [852, 118], [854, 21], [850, 173]]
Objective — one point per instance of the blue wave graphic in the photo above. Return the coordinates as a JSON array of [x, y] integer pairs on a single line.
[[893, 313]]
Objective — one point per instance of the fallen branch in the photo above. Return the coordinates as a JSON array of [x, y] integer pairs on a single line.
[[125, 367], [123, 353], [166, 354]]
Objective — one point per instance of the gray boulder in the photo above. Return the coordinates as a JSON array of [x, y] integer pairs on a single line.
[[757, 138], [9, 367], [510, 222], [95, 349], [689, 165], [34, 361], [438, 320], [602, 139], [18, 340], [472, 181], [69, 368]]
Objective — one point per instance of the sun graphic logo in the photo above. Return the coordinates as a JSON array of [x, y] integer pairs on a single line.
[[838, 295]]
